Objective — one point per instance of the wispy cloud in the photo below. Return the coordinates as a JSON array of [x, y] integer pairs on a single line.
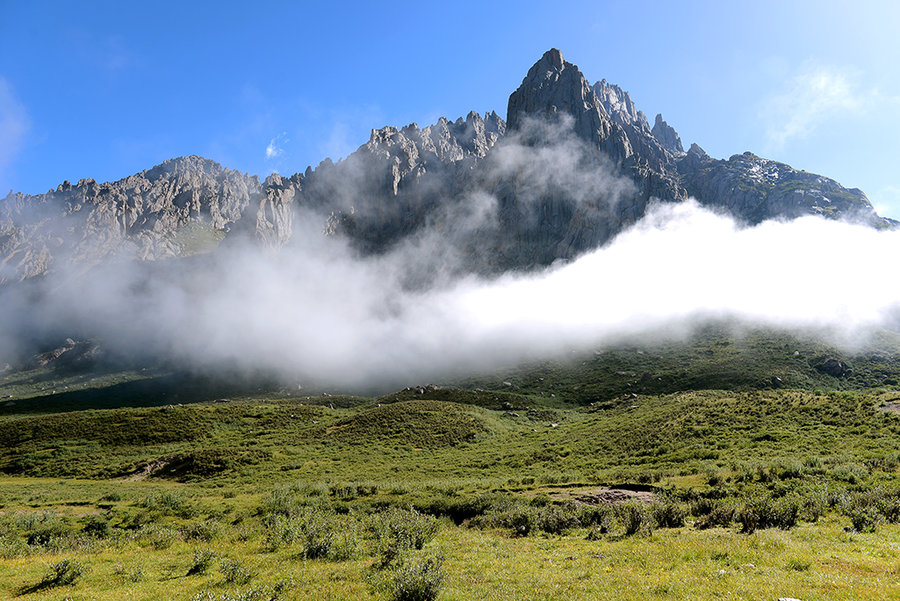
[[14, 125], [276, 146], [807, 101]]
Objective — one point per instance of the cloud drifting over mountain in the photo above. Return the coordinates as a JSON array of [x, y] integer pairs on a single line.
[[322, 313]]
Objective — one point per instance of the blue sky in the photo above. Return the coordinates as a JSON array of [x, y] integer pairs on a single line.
[[107, 89]]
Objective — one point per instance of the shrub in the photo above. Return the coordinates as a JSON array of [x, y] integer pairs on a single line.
[[555, 519], [168, 503], [599, 516], [12, 547], [284, 501], [235, 572], [317, 534], [784, 513], [96, 526], [416, 580], [254, 593], [64, 573], [667, 514], [203, 560], [633, 517], [398, 530], [204, 531], [321, 534], [798, 565], [862, 509], [717, 515], [157, 537], [814, 505], [40, 531], [787, 469]]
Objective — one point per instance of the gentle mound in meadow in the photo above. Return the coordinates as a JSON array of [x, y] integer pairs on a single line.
[[417, 423]]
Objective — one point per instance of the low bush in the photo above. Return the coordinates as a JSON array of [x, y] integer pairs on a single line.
[[202, 561], [668, 514], [235, 572], [633, 517], [156, 537], [63, 573], [714, 514], [416, 579], [397, 530], [204, 531]]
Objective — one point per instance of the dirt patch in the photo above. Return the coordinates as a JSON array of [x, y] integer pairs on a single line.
[[605, 496], [148, 469], [891, 405]]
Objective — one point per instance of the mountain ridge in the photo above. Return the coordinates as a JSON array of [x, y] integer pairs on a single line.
[[405, 179]]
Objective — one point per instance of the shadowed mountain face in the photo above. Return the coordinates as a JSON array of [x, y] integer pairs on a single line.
[[573, 165]]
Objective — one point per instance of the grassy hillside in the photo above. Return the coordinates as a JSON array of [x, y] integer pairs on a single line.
[[733, 467]]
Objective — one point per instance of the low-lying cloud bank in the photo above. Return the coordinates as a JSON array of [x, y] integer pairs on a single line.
[[316, 311]]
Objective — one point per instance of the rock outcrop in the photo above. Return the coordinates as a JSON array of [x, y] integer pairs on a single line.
[[667, 136], [755, 189], [178, 208]]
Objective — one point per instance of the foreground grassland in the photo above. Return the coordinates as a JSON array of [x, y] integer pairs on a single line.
[[721, 469]]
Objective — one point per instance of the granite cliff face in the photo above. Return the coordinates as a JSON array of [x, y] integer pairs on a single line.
[[183, 206], [572, 166], [756, 189]]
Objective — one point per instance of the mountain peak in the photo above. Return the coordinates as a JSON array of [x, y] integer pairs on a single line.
[[554, 58], [667, 136], [554, 86]]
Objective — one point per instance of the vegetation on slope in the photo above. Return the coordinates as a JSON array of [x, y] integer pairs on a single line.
[[724, 466]]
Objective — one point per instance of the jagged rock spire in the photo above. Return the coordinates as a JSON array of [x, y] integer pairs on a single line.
[[666, 135], [554, 86]]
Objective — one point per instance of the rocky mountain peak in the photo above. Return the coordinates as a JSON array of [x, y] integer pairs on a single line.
[[404, 179], [553, 86], [554, 58], [666, 135], [619, 105]]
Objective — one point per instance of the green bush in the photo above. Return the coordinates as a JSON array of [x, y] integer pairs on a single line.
[[168, 503], [785, 512], [156, 536], [63, 573], [713, 514], [320, 533], [12, 547], [863, 511], [202, 561], [235, 572], [204, 531], [667, 514], [397, 530], [416, 580], [633, 517], [601, 517], [96, 526], [556, 519]]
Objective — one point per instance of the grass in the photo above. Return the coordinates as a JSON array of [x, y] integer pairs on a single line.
[[818, 561], [488, 487]]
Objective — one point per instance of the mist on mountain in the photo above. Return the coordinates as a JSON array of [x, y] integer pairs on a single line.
[[439, 251]]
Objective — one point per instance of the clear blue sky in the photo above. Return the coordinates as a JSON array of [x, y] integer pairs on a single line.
[[107, 89]]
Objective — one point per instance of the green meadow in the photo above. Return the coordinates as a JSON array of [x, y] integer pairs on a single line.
[[724, 466]]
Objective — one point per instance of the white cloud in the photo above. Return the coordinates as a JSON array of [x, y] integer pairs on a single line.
[[276, 146], [318, 312], [807, 101], [14, 124]]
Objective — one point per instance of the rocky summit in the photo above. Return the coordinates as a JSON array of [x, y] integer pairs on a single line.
[[571, 166]]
